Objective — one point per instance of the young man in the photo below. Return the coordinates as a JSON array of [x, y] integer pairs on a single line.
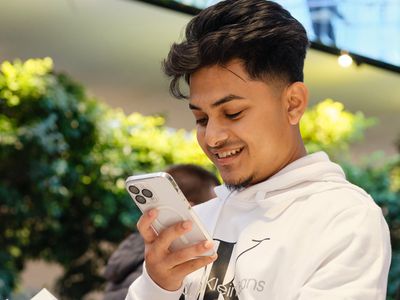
[[286, 224]]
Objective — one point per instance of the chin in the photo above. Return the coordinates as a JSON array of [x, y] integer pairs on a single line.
[[239, 184]]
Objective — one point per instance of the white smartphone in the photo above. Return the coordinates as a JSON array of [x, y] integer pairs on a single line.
[[160, 191]]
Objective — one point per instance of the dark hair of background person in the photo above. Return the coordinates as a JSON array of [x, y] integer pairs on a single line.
[[126, 263], [264, 36], [194, 181]]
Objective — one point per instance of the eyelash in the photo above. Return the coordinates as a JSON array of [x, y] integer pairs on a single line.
[[203, 121], [233, 116]]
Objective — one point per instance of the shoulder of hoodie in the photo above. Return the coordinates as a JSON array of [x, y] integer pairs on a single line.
[[345, 196], [349, 210]]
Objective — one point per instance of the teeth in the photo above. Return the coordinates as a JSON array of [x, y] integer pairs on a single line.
[[228, 153]]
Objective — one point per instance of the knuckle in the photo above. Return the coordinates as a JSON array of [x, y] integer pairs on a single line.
[[178, 227], [181, 255]]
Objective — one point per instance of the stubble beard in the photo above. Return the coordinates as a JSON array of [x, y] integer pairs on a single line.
[[240, 185]]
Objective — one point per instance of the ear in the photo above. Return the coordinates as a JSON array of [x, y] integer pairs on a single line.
[[296, 101]]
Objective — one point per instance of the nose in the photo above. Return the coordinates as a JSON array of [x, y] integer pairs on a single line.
[[216, 134]]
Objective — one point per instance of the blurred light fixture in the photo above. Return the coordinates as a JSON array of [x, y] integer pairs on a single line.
[[345, 60]]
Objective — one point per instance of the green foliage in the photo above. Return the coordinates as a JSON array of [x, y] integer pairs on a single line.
[[64, 157], [328, 127], [63, 161]]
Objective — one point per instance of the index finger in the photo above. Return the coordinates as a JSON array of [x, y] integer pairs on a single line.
[[144, 225]]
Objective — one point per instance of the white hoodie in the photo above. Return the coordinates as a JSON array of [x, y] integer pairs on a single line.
[[305, 233]]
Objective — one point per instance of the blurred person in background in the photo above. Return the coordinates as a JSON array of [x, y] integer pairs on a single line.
[[322, 13], [125, 264]]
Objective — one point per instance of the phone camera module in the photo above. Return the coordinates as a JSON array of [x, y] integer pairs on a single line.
[[140, 199], [133, 189], [147, 193]]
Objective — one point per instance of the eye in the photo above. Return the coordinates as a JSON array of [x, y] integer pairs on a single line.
[[202, 121], [233, 116]]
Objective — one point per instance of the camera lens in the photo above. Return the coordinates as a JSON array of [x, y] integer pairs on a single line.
[[147, 193], [140, 199], [133, 189]]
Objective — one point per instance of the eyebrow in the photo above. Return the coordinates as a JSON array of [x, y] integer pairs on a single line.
[[219, 102]]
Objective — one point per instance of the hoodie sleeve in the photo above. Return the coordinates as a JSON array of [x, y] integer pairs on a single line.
[[353, 256], [144, 288]]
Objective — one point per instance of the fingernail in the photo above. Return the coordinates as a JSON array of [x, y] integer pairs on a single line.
[[151, 213], [214, 257]]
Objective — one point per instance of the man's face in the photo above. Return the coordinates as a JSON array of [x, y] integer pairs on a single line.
[[242, 124]]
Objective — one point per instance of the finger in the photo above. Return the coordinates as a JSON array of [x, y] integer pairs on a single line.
[[144, 225], [192, 265], [186, 254], [168, 235]]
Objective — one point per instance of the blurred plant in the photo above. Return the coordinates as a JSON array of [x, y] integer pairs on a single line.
[[328, 127], [63, 160], [64, 157]]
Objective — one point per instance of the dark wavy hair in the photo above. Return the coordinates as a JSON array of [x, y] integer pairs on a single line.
[[262, 34]]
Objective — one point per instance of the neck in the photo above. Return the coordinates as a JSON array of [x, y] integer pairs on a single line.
[[298, 150]]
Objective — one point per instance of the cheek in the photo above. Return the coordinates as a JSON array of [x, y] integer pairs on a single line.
[[264, 136]]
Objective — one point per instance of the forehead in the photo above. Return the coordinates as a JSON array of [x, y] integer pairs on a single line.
[[213, 79], [215, 82]]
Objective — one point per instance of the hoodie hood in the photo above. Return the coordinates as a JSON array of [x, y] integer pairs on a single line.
[[308, 175]]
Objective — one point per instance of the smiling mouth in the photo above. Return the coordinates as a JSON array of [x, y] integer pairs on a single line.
[[228, 154]]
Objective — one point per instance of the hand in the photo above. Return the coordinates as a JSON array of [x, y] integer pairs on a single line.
[[168, 268]]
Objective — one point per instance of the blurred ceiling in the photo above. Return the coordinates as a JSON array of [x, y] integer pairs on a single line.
[[114, 48]]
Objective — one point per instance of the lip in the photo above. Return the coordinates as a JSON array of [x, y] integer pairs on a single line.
[[227, 160]]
